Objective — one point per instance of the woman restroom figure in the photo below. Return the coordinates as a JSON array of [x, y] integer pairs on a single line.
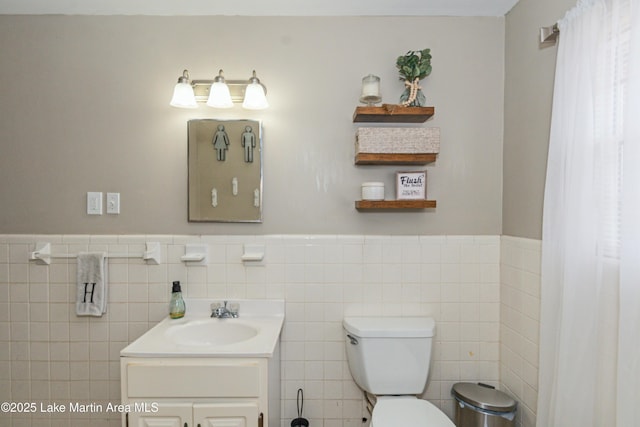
[[249, 143], [221, 143]]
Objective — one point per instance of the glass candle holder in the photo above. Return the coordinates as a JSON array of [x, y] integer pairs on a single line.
[[370, 90]]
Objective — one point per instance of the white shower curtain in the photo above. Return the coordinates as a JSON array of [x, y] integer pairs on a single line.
[[590, 298]]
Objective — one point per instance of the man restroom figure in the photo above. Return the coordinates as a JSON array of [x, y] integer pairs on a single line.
[[221, 143], [249, 143]]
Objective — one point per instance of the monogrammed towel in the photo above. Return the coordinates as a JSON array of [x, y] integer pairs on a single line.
[[91, 295]]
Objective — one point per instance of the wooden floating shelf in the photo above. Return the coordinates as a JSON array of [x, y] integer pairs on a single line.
[[389, 113], [394, 158], [395, 204]]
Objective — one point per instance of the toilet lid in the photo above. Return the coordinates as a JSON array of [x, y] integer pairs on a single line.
[[408, 412]]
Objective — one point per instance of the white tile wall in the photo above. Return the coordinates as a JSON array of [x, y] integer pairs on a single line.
[[48, 354], [520, 323]]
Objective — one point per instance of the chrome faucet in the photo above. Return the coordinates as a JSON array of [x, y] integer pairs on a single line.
[[222, 312]]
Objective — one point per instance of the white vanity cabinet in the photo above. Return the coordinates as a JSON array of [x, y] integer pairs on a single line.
[[198, 415], [200, 392]]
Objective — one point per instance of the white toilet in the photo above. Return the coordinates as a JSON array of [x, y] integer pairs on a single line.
[[389, 358]]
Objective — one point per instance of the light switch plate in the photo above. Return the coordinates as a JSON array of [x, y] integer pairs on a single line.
[[94, 203], [113, 203]]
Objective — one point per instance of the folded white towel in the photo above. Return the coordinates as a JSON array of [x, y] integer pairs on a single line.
[[91, 295]]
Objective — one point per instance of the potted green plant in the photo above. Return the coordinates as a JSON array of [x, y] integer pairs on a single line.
[[414, 66]]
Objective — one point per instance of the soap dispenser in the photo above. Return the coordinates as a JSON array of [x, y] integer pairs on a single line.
[[176, 306]]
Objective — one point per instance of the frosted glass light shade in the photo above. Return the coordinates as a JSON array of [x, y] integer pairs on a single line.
[[219, 96], [254, 97], [183, 96]]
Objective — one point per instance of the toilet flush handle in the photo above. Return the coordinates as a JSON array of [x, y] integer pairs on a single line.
[[353, 340]]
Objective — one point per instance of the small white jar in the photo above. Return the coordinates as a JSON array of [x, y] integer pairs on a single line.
[[373, 191]]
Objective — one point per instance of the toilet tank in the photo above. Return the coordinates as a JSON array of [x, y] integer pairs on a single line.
[[389, 355]]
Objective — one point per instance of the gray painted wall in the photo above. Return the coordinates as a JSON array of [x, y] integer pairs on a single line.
[[85, 108], [529, 74]]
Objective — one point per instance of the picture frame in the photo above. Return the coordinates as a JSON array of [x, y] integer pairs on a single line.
[[411, 185]]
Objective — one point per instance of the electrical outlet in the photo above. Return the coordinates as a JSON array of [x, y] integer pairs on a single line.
[[113, 203], [94, 203]]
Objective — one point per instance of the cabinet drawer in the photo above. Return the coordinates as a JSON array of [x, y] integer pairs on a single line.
[[161, 380]]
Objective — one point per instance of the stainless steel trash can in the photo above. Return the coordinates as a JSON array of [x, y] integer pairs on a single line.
[[480, 405]]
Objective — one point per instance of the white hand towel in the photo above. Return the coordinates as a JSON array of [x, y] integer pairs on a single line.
[[91, 295]]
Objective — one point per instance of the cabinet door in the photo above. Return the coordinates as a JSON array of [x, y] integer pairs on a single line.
[[226, 414], [167, 415]]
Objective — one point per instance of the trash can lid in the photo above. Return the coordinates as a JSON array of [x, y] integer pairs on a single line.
[[484, 397]]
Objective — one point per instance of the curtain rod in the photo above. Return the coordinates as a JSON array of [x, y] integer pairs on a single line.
[[549, 34]]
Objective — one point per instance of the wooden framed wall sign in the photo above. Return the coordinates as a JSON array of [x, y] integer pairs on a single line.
[[411, 185]]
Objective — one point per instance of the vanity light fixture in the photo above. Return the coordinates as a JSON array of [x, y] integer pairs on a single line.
[[254, 96], [183, 96], [219, 95], [219, 92]]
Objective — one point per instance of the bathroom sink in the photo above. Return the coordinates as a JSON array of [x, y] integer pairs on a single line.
[[211, 332], [255, 333]]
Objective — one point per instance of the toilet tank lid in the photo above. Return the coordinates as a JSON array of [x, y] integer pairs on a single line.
[[386, 327]]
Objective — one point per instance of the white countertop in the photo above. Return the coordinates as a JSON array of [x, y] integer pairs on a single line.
[[265, 316]]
